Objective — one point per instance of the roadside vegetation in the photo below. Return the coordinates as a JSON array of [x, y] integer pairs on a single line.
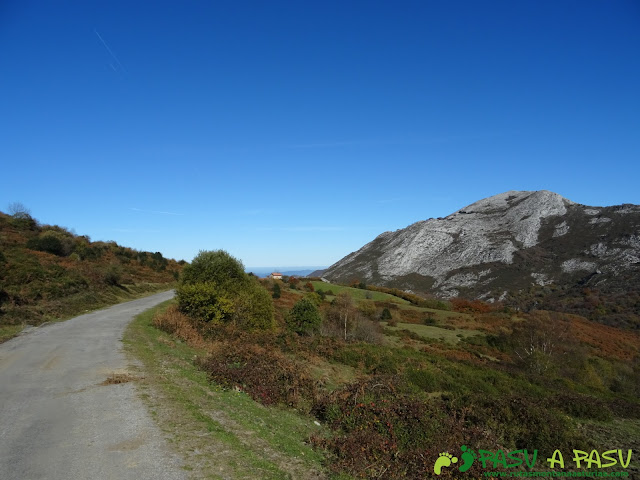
[[48, 272], [395, 380]]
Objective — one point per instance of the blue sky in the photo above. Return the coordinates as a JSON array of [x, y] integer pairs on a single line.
[[292, 133]]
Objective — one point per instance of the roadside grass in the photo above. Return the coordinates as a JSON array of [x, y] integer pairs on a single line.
[[9, 331], [220, 433], [435, 333], [65, 308]]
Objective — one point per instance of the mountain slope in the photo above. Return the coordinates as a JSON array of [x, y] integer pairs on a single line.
[[504, 243]]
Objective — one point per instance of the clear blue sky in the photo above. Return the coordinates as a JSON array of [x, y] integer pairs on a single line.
[[292, 133]]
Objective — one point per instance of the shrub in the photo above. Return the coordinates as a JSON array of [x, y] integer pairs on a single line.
[[112, 275], [205, 302], [276, 290], [253, 307], [216, 267], [304, 317], [248, 306], [267, 375], [368, 309], [47, 242], [386, 315], [367, 331]]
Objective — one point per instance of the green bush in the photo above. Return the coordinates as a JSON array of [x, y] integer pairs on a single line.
[[214, 289], [304, 317], [214, 267], [48, 242], [112, 275], [253, 307], [206, 302], [386, 314]]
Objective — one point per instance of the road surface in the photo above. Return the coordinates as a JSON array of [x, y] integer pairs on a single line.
[[57, 418]]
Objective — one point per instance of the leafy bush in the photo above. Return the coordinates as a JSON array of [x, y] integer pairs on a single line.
[[215, 290], [386, 315], [47, 242], [304, 317], [277, 291], [112, 275], [206, 302], [253, 308], [248, 306], [217, 267]]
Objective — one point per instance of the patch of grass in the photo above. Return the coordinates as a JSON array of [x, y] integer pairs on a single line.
[[359, 294], [9, 331], [221, 433], [435, 333]]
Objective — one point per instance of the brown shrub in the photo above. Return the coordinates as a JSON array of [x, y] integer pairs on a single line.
[[263, 372], [176, 323]]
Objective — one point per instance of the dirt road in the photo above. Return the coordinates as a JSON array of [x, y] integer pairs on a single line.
[[59, 419]]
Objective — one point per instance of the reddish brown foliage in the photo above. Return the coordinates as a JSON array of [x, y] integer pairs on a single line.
[[267, 375]]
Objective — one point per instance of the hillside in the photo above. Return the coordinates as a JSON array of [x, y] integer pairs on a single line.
[[380, 386], [510, 247], [48, 272]]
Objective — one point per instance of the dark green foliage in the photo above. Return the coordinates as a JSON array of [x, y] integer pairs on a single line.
[[276, 290], [253, 308], [215, 290], [304, 318], [112, 275], [45, 242], [386, 315], [214, 266]]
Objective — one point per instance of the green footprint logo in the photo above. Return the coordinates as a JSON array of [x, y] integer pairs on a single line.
[[468, 457], [445, 459]]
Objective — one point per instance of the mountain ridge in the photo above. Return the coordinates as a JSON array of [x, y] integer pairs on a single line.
[[500, 243]]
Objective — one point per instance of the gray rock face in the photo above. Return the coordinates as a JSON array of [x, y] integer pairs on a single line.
[[509, 240]]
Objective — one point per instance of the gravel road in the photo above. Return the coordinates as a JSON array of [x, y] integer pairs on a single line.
[[57, 419]]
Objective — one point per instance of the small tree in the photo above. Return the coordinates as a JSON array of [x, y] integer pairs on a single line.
[[304, 317], [276, 290], [18, 210], [386, 315], [344, 304]]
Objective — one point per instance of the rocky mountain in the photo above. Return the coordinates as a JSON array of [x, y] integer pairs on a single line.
[[501, 244]]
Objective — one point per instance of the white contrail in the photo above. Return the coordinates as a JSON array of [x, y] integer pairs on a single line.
[[110, 51]]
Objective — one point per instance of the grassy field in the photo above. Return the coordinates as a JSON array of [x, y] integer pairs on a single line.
[[435, 333], [220, 433], [359, 294]]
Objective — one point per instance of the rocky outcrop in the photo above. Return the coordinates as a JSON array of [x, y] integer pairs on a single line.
[[507, 241]]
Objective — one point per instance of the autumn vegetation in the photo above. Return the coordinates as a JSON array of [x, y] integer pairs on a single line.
[[48, 272], [467, 372]]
